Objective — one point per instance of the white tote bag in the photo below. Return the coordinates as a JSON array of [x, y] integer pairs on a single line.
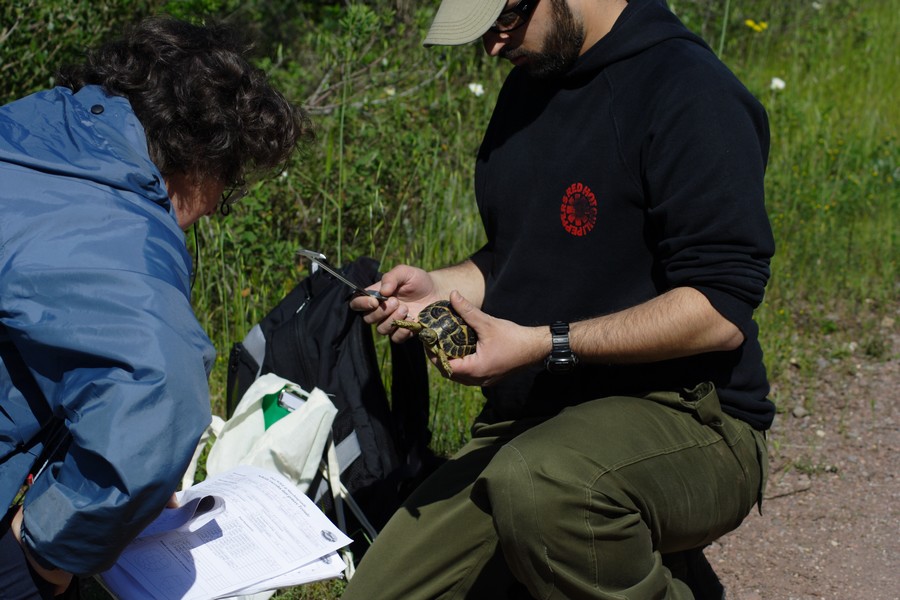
[[293, 445]]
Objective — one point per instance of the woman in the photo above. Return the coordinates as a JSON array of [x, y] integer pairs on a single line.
[[103, 366]]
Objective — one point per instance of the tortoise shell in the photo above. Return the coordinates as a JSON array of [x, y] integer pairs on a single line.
[[453, 335]]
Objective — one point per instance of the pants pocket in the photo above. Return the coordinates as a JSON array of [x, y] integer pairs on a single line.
[[702, 401]]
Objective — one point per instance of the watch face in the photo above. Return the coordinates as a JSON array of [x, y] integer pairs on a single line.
[[560, 365]]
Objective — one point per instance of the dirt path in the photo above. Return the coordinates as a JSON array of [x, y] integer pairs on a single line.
[[830, 527]]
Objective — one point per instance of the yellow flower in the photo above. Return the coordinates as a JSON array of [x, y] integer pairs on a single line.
[[757, 27]]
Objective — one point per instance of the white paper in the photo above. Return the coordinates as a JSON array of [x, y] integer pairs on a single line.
[[188, 516], [327, 567], [260, 534]]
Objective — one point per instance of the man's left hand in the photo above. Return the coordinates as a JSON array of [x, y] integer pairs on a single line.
[[503, 346]]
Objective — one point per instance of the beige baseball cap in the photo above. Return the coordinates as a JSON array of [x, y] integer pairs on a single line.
[[459, 22]]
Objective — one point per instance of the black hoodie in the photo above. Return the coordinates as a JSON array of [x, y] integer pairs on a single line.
[[638, 171]]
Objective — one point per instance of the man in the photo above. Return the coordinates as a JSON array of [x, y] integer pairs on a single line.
[[620, 182], [103, 366]]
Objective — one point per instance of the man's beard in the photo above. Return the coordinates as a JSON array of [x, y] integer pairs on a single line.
[[561, 48]]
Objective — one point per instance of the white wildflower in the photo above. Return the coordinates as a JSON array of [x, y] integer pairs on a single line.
[[777, 84], [477, 89], [817, 5], [390, 90]]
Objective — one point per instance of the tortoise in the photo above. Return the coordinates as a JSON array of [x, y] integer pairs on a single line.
[[443, 332]]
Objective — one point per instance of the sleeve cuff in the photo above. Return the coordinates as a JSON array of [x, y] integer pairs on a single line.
[[738, 312]]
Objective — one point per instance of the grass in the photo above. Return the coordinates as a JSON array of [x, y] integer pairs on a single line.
[[832, 181], [393, 179]]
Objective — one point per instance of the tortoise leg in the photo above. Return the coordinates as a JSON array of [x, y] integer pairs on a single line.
[[413, 326], [444, 361]]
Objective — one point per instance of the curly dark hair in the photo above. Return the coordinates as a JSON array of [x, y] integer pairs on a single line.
[[205, 109]]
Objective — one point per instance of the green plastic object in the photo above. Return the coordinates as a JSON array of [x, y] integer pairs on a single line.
[[272, 409]]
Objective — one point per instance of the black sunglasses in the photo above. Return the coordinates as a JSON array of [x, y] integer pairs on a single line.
[[515, 17]]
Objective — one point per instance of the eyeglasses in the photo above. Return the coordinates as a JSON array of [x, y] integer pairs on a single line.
[[231, 196], [515, 17]]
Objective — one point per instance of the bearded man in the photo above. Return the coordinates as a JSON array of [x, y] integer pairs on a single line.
[[620, 183]]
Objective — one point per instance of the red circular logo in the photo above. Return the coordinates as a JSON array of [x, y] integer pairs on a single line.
[[578, 210]]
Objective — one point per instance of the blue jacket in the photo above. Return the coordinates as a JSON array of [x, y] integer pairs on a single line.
[[98, 340]]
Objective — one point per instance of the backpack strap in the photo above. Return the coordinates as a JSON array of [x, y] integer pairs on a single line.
[[331, 470]]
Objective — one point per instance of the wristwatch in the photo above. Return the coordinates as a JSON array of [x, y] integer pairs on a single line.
[[561, 358]]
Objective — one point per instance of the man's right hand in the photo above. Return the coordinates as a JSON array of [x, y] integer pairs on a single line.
[[408, 290]]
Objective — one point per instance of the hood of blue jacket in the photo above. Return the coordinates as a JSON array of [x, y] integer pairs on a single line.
[[87, 135]]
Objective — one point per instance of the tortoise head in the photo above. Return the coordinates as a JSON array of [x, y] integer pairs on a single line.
[[428, 336]]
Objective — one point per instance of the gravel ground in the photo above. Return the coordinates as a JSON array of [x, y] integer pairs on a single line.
[[830, 525]]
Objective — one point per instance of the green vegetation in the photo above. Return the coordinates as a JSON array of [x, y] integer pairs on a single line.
[[398, 128]]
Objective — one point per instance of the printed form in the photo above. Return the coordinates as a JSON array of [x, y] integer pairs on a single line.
[[240, 532]]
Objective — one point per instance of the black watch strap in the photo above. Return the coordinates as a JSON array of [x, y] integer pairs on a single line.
[[561, 357]]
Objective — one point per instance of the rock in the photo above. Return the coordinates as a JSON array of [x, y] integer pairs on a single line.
[[799, 412]]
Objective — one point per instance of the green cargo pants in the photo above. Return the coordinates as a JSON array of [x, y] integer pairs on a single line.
[[581, 505]]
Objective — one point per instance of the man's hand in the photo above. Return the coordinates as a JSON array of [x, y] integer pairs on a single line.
[[408, 290], [503, 346], [61, 579]]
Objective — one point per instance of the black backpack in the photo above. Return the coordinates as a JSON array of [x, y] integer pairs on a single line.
[[314, 339]]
